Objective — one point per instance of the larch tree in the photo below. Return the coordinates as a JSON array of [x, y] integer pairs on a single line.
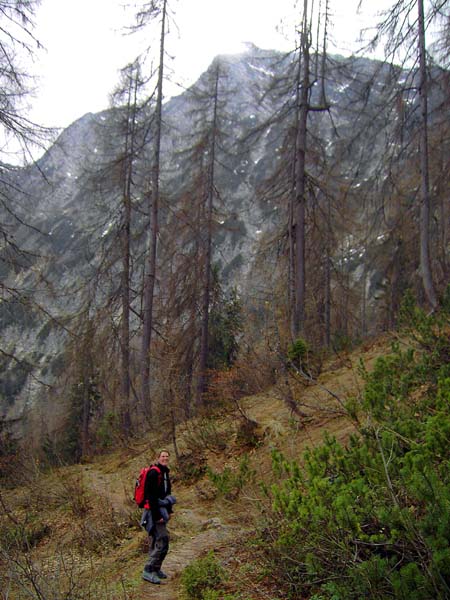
[[113, 178], [209, 192], [404, 27], [292, 90], [19, 137], [17, 131], [194, 225], [425, 260], [201, 166], [311, 70], [157, 9], [17, 41], [133, 139]]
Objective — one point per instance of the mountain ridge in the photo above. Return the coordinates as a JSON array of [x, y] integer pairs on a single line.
[[58, 270]]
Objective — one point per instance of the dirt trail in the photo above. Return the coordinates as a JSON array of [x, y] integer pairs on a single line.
[[211, 534], [196, 527]]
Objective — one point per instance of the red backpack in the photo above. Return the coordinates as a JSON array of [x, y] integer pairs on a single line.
[[139, 489]]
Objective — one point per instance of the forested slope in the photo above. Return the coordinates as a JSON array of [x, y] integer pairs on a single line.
[[364, 511], [74, 279]]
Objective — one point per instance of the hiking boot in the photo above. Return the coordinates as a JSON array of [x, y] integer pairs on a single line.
[[161, 574], [152, 577]]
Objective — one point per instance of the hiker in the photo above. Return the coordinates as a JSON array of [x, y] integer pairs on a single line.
[[159, 500]]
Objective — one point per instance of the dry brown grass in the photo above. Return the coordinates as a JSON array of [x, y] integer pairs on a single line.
[[88, 520]]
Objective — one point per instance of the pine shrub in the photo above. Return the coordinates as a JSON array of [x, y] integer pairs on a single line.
[[230, 482], [372, 518], [202, 579]]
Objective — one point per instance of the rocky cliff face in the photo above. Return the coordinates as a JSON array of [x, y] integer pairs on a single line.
[[46, 262]]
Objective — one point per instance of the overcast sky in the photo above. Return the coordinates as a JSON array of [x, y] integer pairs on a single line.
[[85, 46]]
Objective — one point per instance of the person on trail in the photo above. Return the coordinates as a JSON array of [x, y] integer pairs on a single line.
[[156, 515]]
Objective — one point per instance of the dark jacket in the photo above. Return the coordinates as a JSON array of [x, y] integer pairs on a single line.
[[157, 487]]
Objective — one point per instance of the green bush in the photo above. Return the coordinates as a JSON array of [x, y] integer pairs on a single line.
[[372, 518], [202, 578], [342, 342], [191, 467], [22, 536], [229, 483], [302, 357], [108, 430], [205, 434], [10, 456], [298, 351], [225, 326], [247, 433]]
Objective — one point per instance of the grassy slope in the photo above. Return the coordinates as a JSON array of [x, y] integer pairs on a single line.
[[89, 522]]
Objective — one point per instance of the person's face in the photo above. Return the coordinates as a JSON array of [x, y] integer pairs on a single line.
[[164, 459]]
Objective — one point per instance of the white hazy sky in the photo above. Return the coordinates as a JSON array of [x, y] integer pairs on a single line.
[[85, 47]]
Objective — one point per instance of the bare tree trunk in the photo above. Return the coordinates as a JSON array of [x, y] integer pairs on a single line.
[[364, 301], [201, 383], [323, 97], [328, 278], [365, 273], [86, 412], [149, 285], [190, 388], [189, 361], [125, 325], [291, 239], [125, 241], [300, 271], [86, 379], [173, 427], [292, 271], [444, 210], [425, 261]]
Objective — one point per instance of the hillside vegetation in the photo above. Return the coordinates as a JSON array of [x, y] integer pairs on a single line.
[[344, 494]]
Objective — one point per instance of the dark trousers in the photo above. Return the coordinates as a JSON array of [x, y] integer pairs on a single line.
[[158, 548]]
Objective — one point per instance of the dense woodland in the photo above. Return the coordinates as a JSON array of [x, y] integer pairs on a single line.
[[355, 203], [352, 189], [166, 322]]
